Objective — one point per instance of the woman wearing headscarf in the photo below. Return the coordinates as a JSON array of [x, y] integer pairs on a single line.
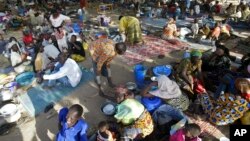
[[187, 71], [169, 91], [130, 28], [136, 120], [170, 30], [216, 64]]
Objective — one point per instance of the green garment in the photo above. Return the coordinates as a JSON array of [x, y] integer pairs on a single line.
[[128, 111]]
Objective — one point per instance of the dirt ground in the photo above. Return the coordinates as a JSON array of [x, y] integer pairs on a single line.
[[44, 126]]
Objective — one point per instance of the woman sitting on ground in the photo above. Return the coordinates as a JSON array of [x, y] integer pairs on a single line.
[[228, 80], [169, 91], [216, 64], [228, 107], [185, 73], [76, 49], [170, 30], [215, 33], [203, 32], [136, 120]]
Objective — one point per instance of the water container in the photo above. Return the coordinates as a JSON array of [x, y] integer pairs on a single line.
[[76, 28], [139, 74], [186, 54], [162, 70], [151, 104]]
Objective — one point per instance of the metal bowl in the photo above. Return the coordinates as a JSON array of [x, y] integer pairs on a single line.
[[131, 85], [109, 109]]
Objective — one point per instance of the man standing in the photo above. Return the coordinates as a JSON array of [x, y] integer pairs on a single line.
[[71, 125], [103, 52]]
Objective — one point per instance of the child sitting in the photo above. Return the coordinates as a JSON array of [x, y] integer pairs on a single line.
[[103, 133], [189, 133]]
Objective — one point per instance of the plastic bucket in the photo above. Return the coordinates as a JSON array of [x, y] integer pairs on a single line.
[[139, 74], [151, 104]]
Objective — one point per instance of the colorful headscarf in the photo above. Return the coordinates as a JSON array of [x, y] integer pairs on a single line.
[[196, 53]]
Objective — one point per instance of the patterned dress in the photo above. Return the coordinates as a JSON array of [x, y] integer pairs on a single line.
[[225, 110], [131, 27]]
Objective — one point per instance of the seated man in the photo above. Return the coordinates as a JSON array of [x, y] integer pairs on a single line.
[[76, 49], [17, 59], [66, 71], [71, 124]]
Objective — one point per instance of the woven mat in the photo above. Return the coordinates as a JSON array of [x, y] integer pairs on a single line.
[[152, 47], [208, 129]]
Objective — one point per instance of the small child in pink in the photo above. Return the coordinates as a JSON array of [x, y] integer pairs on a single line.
[[189, 133]]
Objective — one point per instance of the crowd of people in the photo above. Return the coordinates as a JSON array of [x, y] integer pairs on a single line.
[[53, 50]]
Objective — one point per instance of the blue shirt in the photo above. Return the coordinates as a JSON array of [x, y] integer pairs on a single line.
[[75, 133]]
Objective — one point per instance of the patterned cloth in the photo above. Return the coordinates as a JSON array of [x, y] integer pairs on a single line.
[[131, 27], [225, 110], [169, 31], [102, 51], [144, 124], [181, 102]]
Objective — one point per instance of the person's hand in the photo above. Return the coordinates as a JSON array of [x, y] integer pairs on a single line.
[[238, 97], [154, 83], [192, 86], [98, 72]]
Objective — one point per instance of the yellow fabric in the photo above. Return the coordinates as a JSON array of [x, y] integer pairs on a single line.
[[85, 45], [245, 120], [77, 57], [131, 27], [39, 62]]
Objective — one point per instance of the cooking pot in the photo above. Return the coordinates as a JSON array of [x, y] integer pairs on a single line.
[[10, 112], [6, 95], [109, 109]]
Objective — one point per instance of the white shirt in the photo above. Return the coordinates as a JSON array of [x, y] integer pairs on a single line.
[[15, 59], [59, 20], [49, 51], [70, 69], [195, 28]]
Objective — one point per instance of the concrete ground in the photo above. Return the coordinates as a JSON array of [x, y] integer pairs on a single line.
[[44, 126]]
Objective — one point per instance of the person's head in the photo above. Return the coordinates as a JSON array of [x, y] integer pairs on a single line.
[[62, 57], [195, 20], [120, 48], [122, 93], [221, 50], [12, 39], [231, 4], [206, 26], [73, 38], [14, 48], [243, 85], [217, 24], [195, 56], [217, 2], [192, 130], [54, 13], [171, 21], [103, 126], [120, 17], [74, 114]]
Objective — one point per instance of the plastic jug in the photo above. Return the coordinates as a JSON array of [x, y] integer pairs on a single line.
[[151, 104], [139, 74]]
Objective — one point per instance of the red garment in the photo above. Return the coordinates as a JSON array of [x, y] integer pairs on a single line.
[[217, 8], [246, 96], [180, 136], [28, 39], [83, 3]]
